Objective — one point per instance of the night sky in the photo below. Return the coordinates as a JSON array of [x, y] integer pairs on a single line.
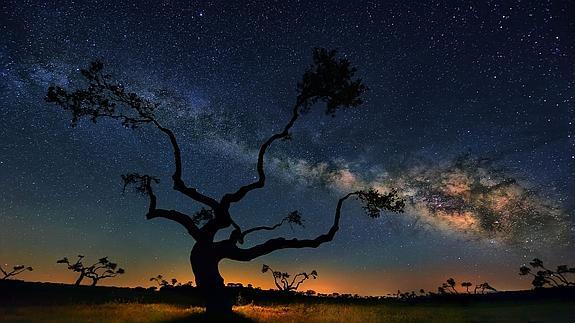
[[470, 114]]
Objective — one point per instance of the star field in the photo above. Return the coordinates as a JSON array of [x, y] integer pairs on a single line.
[[493, 80]]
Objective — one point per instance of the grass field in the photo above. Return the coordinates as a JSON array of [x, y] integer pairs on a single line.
[[133, 312]]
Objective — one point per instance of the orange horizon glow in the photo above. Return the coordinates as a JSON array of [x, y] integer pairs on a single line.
[[328, 282]]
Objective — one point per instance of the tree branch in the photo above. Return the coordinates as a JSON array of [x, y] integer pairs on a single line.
[[294, 279], [304, 278], [179, 184], [144, 186], [328, 79], [179, 217], [284, 134], [373, 204], [269, 246], [276, 281], [260, 228]]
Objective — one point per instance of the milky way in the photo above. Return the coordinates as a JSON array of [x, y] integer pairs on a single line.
[[466, 197]]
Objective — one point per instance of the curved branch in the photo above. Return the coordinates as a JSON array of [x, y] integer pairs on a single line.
[[329, 79], [285, 282], [179, 217], [284, 134], [272, 245], [304, 278], [276, 280], [263, 227], [294, 279], [144, 183], [179, 184]]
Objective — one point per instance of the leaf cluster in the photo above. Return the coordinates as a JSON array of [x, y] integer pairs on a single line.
[[330, 79], [141, 183], [374, 202], [102, 98]]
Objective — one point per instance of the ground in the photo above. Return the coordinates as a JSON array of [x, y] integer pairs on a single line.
[[555, 311]]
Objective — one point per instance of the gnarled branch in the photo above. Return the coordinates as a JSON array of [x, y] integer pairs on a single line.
[[293, 217], [242, 191], [373, 204], [281, 243]]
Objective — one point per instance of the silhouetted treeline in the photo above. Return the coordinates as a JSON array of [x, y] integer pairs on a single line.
[[20, 293]]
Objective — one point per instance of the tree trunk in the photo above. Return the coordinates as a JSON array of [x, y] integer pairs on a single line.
[[204, 260], [79, 280], [94, 282]]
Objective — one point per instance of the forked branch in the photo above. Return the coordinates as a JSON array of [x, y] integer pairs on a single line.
[[329, 79], [373, 203], [293, 217]]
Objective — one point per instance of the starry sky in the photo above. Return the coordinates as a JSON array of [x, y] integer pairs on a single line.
[[470, 114]]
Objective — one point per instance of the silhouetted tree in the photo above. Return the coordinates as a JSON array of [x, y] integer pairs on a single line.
[[283, 282], [16, 270], [310, 292], [102, 269], [328, 80], [545, 276], [448, 287], [165, 283], [160, 281], [466, 285], [483, 287]]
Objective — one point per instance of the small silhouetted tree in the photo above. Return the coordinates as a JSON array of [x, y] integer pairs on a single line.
[[310, 292], [466, 285], [16, 270], [448, 287], [282, 279], [329, 81], [102, 269], [483, 287], [165, 283], [545, 276], [160, 281]]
